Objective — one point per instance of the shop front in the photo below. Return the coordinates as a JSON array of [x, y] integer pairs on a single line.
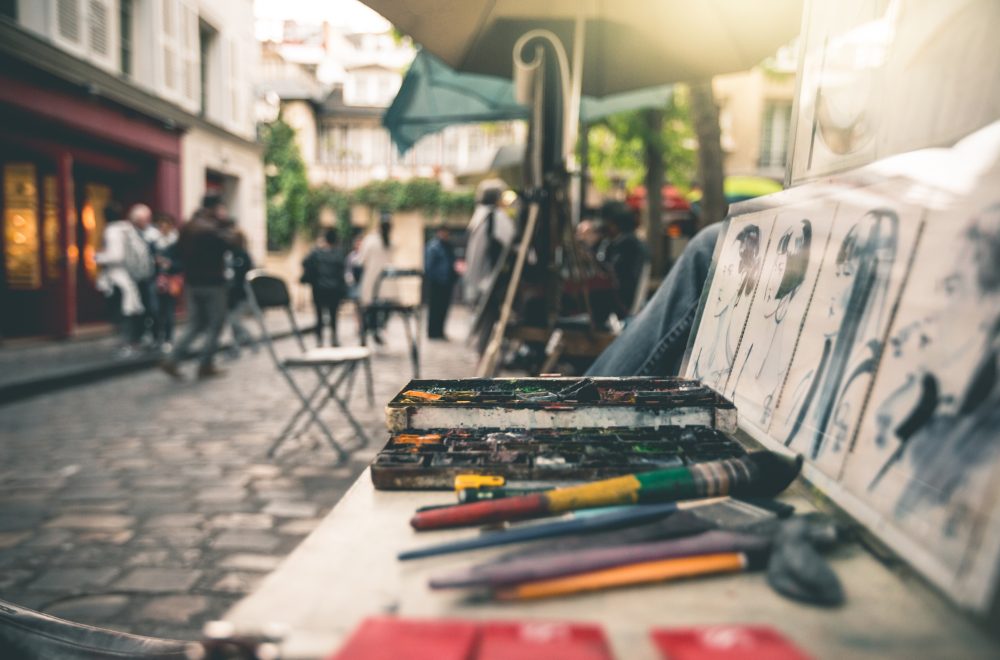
[[64, 154]]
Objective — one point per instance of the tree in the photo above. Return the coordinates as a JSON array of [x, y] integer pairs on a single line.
[[286, 184], [649, 147], [705, 112]]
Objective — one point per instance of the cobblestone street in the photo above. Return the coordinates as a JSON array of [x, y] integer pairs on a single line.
[[148, 506]]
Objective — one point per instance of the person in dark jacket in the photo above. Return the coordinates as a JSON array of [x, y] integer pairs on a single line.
[[625, 254], [201, 248], [324, 270], [439, 272]]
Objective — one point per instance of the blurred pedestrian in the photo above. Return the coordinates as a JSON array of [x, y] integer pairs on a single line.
[[202, 247], [324, 271], [238, 264], [626, 256], [353, 277], [440, 275], [126, 270], [491, 231], [169, 280], [374, 256]]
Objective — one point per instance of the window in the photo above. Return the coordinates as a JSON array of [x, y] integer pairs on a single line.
[[774, 133], [207, 38], [125, 29], [8, 9]]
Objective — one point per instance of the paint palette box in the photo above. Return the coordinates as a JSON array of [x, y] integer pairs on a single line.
[[569, 403], [431, 460]]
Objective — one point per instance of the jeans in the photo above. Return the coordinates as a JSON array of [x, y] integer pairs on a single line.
[[241, 336], [327, 302], [655, 340], [207, 307]]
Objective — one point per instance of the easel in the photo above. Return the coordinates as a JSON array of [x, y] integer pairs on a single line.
[[548, 214]]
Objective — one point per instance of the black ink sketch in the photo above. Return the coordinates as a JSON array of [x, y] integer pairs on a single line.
[[734, 283], [784, 282], [943, 420], [855, 312]]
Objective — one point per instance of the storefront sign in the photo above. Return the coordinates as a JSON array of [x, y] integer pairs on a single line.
[[21, 258]]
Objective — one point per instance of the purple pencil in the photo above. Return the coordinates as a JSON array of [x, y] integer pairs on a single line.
[[540, 567]]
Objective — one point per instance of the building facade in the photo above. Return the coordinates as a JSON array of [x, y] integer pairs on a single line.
[[128, 100], [333, 88], [755, 114]]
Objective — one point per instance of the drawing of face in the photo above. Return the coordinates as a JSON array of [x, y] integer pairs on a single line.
[[789, 270], [738, 278]]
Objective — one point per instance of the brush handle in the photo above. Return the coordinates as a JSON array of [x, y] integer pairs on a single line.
[[622, 576], [482, 513]]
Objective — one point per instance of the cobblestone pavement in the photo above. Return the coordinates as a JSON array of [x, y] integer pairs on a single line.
[[148, 506]]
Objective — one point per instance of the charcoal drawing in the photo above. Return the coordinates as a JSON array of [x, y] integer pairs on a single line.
[[765, 354], [733, 288], [855, 308], [942, 420]]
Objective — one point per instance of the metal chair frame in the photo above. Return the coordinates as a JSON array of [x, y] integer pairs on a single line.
[[405, 312], [275, 294]]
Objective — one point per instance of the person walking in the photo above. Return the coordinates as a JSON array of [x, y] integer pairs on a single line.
[[439, 272], [491, 231], [202, 247], [169, 281], [374, 256], [238, 264], [126, 269], [323, 270]]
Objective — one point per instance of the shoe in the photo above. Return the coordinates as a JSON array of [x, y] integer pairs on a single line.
[[170, 368], [209, 371]]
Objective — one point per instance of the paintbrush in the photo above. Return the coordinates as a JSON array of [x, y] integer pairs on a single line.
[[633, 574], [759, 474], [612, 520], [560, 564]]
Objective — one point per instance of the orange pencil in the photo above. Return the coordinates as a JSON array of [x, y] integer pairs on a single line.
[[642, 573]]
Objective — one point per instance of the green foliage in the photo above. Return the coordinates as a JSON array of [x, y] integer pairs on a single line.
[[286, 184], [337, 201], [617, 144], [414, 195], [458, 203]]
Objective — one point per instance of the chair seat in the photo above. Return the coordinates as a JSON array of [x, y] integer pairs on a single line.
[[392, 306], [333, 355]]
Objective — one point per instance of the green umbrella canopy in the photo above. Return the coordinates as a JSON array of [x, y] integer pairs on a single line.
[[434, 96]]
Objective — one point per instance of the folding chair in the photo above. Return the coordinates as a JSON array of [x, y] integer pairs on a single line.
[[408, 312], [265, 291]]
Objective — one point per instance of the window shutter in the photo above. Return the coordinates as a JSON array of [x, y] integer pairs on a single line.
[[169, 25], [68, 17], [234, 81], [190, 53], [98, 28]]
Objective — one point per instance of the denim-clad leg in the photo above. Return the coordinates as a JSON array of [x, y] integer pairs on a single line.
[[654, 342]]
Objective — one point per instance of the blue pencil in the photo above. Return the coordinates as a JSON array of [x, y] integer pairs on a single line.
[[635, 515]]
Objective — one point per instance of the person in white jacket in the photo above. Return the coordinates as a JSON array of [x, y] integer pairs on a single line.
[[126, 261], [375, 256], [490, 231]]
